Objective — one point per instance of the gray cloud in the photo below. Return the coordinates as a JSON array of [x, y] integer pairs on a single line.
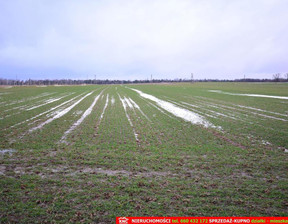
[[133, 39]]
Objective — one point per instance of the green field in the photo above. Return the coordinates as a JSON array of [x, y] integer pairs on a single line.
[[91, 153]]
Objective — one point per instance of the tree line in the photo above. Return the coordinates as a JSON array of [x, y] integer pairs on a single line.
[[276, 78]]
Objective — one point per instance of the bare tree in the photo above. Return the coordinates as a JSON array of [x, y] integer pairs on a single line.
[[276, 77], [286, 75]]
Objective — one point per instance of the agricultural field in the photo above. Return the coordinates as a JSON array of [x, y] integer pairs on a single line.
[[91, 153]]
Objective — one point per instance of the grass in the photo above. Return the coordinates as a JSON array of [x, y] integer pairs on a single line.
[[175, 169]]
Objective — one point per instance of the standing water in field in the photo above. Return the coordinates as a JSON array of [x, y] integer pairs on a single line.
[[78, 122], [7, 151], [112, 100], [253, 95], [106, 104], [60, 114], [135, 105], [129, 120], [177, 111]]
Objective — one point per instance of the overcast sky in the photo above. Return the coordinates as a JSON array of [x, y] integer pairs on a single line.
[[132, 39]]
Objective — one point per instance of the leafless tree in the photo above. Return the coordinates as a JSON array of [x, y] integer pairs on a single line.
[[276, 77]]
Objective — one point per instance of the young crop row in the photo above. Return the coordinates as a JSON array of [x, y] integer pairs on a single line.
[[22, 117]]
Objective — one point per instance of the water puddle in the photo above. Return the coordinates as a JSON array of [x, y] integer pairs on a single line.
[[123, 101], [7, 151], [60, 114], [112, 100], [185, 114], [78, 122], [253, 95]]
